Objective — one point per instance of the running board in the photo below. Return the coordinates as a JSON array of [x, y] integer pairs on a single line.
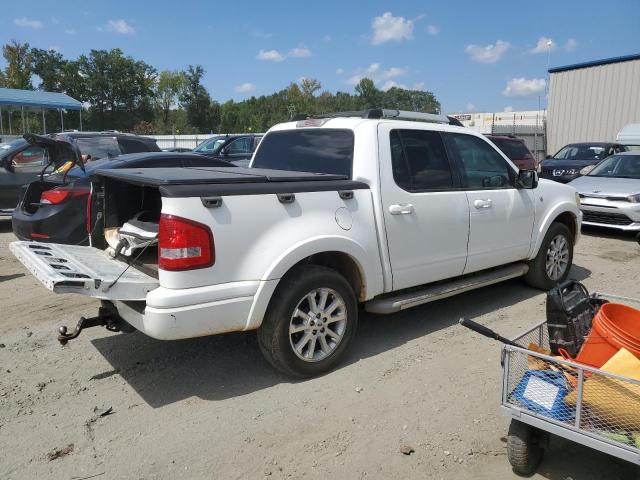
[[443, 290]]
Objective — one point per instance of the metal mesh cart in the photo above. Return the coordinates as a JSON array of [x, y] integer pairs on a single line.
[[548, 395]]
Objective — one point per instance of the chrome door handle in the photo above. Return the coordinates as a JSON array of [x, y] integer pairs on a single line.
[[401, 209], [479, 204]]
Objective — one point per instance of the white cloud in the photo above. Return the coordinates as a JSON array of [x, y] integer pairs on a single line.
[[70, 31], [544, 45], [384, 79], [119, 26], [392, 83], [471, 107], [433, 30], [487, 54], [418, 86], [508, 109], [339, 71], [245, 87], [276, 56], [570, 45], [520, 87], [272, 55], [27, 23], [327, 38], [388, 28], [299, 52]]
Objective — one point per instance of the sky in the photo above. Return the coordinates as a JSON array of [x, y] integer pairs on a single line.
[[474, 56]]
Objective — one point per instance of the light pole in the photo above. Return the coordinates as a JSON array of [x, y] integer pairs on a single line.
[[549, 45]]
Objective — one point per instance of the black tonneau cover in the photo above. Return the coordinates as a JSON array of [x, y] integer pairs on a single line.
[[204, 181]]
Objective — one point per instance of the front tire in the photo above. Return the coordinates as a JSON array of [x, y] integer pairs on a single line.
[[523, 448], [554, 260], [310, 322]]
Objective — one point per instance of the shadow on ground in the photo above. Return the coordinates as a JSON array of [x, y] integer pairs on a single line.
[[5, 225], [225, 366], [568, 460], [603, 232]]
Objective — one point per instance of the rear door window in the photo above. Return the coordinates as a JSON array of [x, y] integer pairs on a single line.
[[320, 150], [135, 145], [419, 161], [99, 147]]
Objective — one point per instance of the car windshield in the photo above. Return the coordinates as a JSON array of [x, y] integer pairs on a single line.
[[321, 150], [211, 145], [618, 166], [582, 152], [12, 146]]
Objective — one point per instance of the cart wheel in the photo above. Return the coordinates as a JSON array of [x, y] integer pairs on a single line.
[[523, 448]]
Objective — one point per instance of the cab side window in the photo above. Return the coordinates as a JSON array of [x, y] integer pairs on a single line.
[[29, 157], [419, 161], [481, 165]]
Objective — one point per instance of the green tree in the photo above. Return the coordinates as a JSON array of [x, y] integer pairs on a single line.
[[170, 85], [49, 65], [18, 71], [119, 89], [196, 100], [369, 95]]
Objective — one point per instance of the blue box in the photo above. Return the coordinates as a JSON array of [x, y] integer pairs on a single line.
[[543, 391]]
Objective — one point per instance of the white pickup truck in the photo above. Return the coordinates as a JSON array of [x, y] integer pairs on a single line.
[[401, 209]]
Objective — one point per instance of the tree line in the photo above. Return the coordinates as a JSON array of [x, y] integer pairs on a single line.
[[122, 93]]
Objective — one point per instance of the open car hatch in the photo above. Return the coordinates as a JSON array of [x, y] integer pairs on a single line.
[[84, 270]]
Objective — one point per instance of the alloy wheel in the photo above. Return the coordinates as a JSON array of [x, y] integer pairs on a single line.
[[557, 257], [318, 324]]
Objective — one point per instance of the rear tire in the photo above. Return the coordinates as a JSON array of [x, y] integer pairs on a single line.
[[523, 448], [310, 322], [554, 260]]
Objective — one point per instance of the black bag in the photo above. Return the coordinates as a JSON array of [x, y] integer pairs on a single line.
[[570, 311]]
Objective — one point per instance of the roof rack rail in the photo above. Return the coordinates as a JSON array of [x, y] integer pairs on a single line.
[[378, 113]]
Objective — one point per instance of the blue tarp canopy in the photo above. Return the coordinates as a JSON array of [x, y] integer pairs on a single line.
[[38, 99]]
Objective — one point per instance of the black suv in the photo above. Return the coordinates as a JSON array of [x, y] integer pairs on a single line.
[[577, 159], [236, 149], [21, 162]]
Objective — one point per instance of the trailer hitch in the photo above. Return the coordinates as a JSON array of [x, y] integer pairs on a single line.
[[105, 318]]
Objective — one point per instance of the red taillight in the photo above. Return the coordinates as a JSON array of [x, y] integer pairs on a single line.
[[184, 244], [60, 194]]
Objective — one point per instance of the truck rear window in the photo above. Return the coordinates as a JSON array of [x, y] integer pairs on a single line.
[[513, 149], [320, 150]]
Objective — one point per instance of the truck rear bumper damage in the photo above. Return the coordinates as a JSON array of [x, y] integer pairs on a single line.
[[170, 314]]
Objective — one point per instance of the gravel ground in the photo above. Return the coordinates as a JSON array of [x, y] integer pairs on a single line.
[[117, 406]]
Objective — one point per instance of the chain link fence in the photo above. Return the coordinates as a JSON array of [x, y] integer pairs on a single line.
[[534, 136]]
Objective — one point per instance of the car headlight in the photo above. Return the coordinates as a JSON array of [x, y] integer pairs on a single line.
[[578, 199], [587, 169], [634, 198]]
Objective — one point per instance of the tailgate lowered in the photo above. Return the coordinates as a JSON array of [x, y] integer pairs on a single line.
[[84, 270]]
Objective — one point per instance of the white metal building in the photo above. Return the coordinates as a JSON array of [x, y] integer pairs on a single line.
[[591, 102], [483, 122]]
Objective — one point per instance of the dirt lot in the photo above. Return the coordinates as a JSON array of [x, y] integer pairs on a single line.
[[212, 408]]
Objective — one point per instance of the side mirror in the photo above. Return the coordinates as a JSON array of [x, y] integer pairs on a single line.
[[222, 152], [548, 157], [527, 179]]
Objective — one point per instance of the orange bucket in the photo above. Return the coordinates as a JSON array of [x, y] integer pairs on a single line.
[[621, 320], [614, 327]]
